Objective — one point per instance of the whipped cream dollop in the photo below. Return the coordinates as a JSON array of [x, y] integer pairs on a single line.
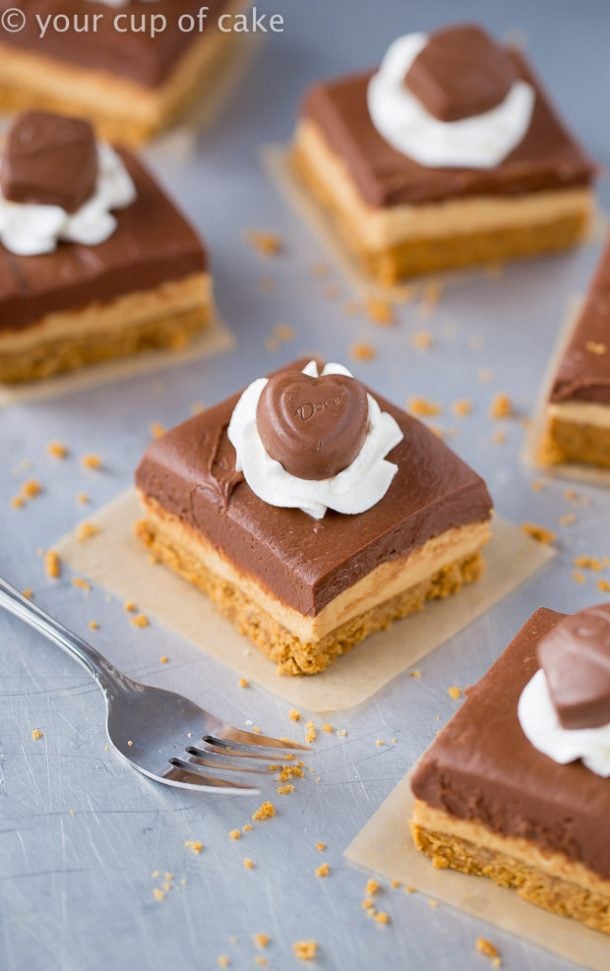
[[541, 726], [478, 142], [28, 229], [354, 490]]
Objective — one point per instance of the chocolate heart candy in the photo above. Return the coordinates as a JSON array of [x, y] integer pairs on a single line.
[[460, 72], [575, 657], [314, 427], [49, 160]]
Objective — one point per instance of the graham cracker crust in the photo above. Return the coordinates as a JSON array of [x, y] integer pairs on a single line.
[[415, 257], [50, 356], [567, 441], [553, 893], [292, 655]]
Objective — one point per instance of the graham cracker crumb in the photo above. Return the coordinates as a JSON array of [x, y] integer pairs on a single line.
[[484, 946], [432, 902], [462, 407], [93, 625], [362, 351], [294, 715], [248, 863], [28, 593], [430, 298], [395, 884], [539, 533], [379, 311], [423, 408], [140, 620], [368, 904], [323, 870], [284, 333], [311, 733], [501, 407], [342, 732], [568, 519], [372, 887], [272, 344], [223, 961], [197, 408], [158, 894], [265, 242], [86, 531], [156, 430], [285, 790], [164, 659], [499, 436], [454, 692], [328, 728], [195, 845], [130, 607], [596, 347], [379, 742], [415, 674], [320, 846], [422, 340], [589, 563], [261, 940], [382, 918], [235, 834], [37, 733], [243, 683], [265, 811], [261, 961], [538, 485], [52, 565], [578, 577], [81, 583], [82, 498], [17, 502], [57, 450], [91, 461], [305, 950], [247, 828], [603, 585], [31, 488]]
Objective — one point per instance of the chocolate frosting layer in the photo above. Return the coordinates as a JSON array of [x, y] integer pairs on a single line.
[[461, 72], [49, 160], [305, 563], [547, 158], [153, 243], [134, 55], [482, 767], [575, 657], [584, 370], [314, 427]]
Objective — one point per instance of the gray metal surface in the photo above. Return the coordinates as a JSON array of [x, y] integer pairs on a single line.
[[80, 833]]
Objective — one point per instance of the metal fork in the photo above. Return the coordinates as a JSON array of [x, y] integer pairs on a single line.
[[162, 734]]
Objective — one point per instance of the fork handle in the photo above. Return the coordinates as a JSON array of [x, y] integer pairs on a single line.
[[102, 670]]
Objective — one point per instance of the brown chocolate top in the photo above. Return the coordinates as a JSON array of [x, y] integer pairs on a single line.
[[134, 55], [584, 370], [314, 427], [152, 243], [304, 562], [482, 767], [50, 160], [461, 71], [575, 657], [547, 157]]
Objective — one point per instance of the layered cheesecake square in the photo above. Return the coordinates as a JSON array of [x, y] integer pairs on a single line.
[[491, 804], [577, 418], [303, 589], [403, 215], [132, 68], [141, 283]]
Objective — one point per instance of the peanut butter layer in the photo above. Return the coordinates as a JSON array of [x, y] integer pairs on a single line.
[[482, 768], [584, 370], [307, 563], [152, 244], [133, 54], [547, 158]]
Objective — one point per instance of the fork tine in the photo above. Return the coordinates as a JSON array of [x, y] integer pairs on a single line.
[[229, 734], [237, 751], [213, 760], [189, 774]]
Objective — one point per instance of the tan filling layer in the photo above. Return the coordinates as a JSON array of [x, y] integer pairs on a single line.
[[549, 880], [573, 441], [581, 413], [166, 317], [120, 108], [378, 229], [383, 583]]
